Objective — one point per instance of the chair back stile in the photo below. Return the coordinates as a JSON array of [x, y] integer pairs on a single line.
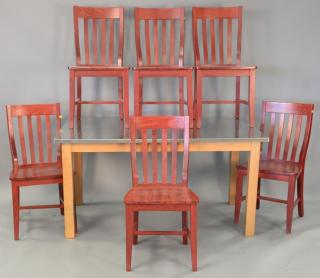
[[33, 127], [97, 23], [288, 134], [156, 19], [169, 128], [212, 21]]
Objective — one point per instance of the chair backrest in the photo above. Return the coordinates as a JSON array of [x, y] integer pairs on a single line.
[[153, 137], [289, 127], [171, 23], [102, 35], [31, 130], [211, 25]]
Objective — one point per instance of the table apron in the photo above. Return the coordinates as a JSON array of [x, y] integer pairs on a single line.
[[194, 147]]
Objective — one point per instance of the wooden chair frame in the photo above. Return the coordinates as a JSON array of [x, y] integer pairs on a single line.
[[163, 64], [32, 172], [222, 68], [278, 162], [107, 66], [172, 188]]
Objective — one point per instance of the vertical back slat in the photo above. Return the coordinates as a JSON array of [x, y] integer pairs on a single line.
[[111, 41], [172, 36], [121, 41], [279, 137], [103, 41], [154, 156], [147, 39], [229, 41], [164, 41], [174, 155], [95, 41], [133, 153], [221, 52], [271, 134], [239, 38], [288, 136], [86, 41], [213, 41], [185, 162], [181, 44], [22, 140], [164, 155], [144, 155], [40, 140], [155, 41], [296, 138], [76, 38], [31, 140], [204, 41], [58, 132], [49, 142]]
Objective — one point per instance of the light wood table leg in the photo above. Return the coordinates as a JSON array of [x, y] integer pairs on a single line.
[[68, 191], [234, 160], [78, 166], [253, 171]]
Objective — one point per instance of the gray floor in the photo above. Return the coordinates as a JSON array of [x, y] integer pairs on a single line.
[[99, 250]]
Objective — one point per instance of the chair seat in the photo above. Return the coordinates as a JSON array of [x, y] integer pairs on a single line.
[[98, 67], [155, 194], [37, 172], [162, 67], [276, 167], [225, 67]]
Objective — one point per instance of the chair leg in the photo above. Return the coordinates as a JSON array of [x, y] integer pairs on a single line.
[[129, 236], [79, 98], [199, 100], [125, 93], [237, 97], [290, 205], [258, 193], [61, 198], [136, 226], [184, 227], [71, 98], [75, 220], [195, 99], [140, 95], [190, 98], [238, 199], [181, 96], [252, 84], [15, 206], [193, 237], [300, 186], [75, 214], [120, 97]]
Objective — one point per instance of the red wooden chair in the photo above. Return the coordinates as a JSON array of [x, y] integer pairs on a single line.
[[214, 55], [165, 63], [167, 191], [289, 128], [96, 56], [36, 164]]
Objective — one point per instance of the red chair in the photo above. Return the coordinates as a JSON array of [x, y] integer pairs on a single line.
[[214, 55], [96, 57], [31, 129], [168, 62], [167, 191], [289, 128]]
